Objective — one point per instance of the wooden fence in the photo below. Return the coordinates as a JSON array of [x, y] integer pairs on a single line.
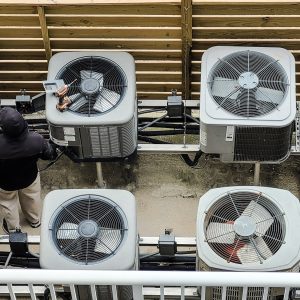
[[166, 38]]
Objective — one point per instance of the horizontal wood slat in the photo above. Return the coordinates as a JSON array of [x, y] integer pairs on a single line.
[[115, 32], [246, 32], [19, 20], [114, 43], [147, 9], [251, 8], [246, 21], [112, 20]]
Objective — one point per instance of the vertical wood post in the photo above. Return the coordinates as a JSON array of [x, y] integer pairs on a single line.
[[45, 34], [186, 32]]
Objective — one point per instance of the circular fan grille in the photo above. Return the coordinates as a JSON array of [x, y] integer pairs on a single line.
[[244, 227], [248, 83], [100, 84], [88, 228]]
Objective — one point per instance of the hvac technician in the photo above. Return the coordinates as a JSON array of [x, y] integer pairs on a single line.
[[19, 176]]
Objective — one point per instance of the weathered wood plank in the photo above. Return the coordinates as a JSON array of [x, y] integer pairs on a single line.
[[186, 26], [12, 54], [158, 86], [247, 20], [21, 43], [19, 20], [116, 43], [88, 2], [19, 32], [23, 75], [285, 43], [44, 30], [115, 32], [147, 9], [153, 54], [17, 9], [251, 8], [246, 32], [113, 20], [159, 65]]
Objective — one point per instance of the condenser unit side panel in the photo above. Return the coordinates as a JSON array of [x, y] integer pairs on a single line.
[[217, 139], [65, 135], [109, 141], [262, 144]]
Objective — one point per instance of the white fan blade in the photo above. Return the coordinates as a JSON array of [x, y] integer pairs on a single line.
[[78, 103], [248, 254], [106, 100], [85, 74], [74, 97], [268, 95], [105, 238], [260, 215], [222, 87], [216, 233], [68, 231]]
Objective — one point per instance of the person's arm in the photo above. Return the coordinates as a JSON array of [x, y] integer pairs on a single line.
[[48, 151]]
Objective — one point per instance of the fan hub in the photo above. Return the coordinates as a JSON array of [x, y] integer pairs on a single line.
[[244, 226], [90, 86], [248, 80], [88, 228]]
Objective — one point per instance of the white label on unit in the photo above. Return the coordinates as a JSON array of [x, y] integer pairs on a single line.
[[70, 138], [229, 133], [203, 137], [69, 131]]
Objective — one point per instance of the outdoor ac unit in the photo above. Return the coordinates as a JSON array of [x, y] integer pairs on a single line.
[[88, 229], [248, 103], [101, 122], [248, 229]]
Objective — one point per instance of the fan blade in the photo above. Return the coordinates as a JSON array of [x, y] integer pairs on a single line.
[[74, 97], [85, 74], [67, 231], [106, 100], [222, 87], [108, 241], [260, 215], [78, 103], [269, 95], [248, 253], [222, 233]]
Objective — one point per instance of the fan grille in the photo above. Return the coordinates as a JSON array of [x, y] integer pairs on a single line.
[[88, 228], [99, 87], [244, 227], [248, 83]]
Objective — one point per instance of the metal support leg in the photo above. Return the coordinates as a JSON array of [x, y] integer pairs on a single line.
[[101, 182], [256, 173]]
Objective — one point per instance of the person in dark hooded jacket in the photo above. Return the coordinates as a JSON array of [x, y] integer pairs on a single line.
[[20, 150]]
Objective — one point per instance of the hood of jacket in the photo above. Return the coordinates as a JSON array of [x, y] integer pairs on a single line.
[[12, 122]]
